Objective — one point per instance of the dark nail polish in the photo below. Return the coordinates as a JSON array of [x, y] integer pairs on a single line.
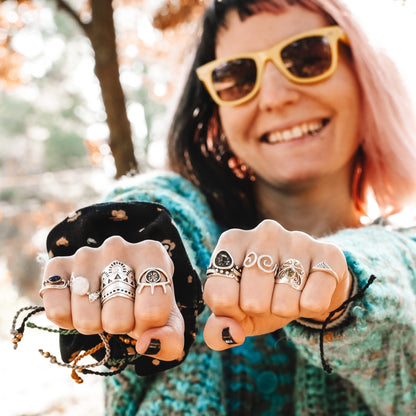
[[226, 336], [154, 347]]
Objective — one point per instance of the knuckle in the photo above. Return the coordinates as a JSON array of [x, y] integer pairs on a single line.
[[153, 249], [84, 324], [117, 328], [231, 235], [284, 309], [114, 245], [312, 304], [57, 316], [153, 315], [253, 307], [56, 263], [218, 301], [83, 255]]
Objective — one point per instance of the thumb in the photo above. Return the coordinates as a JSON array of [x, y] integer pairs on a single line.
[[165, 342], [221, 333]]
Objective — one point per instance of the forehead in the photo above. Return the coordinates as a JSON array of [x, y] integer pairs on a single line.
[[263, 30]]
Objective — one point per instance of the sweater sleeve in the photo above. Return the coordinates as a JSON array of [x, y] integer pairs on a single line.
[[374, 347], [138, 213]]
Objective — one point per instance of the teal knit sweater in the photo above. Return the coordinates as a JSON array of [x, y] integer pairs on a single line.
[[372, 351]]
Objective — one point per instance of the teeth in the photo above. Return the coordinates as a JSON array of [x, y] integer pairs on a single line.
[[295, 132]]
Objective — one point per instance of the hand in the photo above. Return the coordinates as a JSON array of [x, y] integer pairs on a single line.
[[149, 318], [262, 302]]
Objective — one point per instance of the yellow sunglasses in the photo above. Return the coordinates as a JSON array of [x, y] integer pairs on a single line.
[[306, 58]]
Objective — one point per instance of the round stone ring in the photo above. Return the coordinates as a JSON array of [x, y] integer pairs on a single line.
[[80, 286]]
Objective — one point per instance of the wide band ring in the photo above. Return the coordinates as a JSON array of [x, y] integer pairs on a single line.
[[81, 286], [292, 273], [53, 282], [153, 277], [264, 262], [117, 279], [324, 267], [223, 265]]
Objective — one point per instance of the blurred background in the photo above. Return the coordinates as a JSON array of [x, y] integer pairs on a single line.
[[86, 92]]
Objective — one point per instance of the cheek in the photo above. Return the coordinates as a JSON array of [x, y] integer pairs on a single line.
[[235, 124]]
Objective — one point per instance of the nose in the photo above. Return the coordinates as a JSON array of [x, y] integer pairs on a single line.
[[276, 91]]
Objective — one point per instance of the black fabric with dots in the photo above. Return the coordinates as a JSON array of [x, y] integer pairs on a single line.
[[135, 222]]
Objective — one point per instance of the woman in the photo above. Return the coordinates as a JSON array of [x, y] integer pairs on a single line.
[[288, 123]]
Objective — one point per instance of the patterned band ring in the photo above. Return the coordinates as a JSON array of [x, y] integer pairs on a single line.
[[264, 262], [324, 267], [153, 277], [117, 279], [223, 265], [292, 273], [53, 282], [81, 286]]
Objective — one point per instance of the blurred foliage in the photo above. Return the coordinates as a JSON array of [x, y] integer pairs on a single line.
[[52, 118]]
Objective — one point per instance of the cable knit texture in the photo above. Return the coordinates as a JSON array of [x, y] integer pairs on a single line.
[[372, 353]]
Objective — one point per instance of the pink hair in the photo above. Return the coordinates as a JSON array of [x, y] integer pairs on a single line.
[[386, 167]]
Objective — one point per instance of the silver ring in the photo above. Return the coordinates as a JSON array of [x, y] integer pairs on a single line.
[[264, 262], [153, 277], [117, 279], [81, 286], [223, 265], [292, 273], [324, 267], [53, 282]]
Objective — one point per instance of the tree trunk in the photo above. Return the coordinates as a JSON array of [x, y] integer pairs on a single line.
[[101, 33]]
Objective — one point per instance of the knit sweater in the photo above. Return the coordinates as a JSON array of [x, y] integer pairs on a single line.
[[372, 351]]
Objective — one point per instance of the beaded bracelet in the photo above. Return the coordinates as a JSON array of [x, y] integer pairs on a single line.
[[120, 364]]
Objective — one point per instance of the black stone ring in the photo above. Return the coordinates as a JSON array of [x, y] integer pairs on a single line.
[[223, 265]]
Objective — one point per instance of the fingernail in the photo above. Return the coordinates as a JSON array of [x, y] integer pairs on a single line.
[[226, 336], [154, 347]]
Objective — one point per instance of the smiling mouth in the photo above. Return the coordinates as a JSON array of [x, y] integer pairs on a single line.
[[296, 132]]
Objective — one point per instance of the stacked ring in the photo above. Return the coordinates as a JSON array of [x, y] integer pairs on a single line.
[[53, 282], [153, 277], [117, 279], [224, 266]]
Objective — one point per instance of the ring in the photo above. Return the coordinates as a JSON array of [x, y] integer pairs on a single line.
[[323, 266], [81, 286], [53, 282], [264, 262], [292, 273], [153, 277], [224, 266], [117, 279]]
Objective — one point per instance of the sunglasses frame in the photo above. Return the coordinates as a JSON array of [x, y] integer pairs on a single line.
[[332, 33]]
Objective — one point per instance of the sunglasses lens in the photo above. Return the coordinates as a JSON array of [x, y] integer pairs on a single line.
[[234, 79], [308, 57]]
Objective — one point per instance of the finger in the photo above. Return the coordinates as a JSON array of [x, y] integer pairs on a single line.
[[57, 302], [84, 285], [154, 293], [317, 295], [222, 288], [221, 333], [257, 281], [117, 280], [290, 282], [165, 343]]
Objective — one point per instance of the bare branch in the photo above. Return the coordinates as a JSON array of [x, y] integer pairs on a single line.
[[63, 5]]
